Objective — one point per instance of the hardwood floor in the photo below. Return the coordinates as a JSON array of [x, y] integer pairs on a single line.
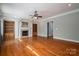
[[39, 46]]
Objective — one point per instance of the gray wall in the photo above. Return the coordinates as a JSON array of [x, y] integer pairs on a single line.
[[42, 29], [67, 26], [64, 27]]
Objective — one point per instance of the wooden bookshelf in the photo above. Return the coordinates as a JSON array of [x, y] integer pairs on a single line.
[[8, 29]]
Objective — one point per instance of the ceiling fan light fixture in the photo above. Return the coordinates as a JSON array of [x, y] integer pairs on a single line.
[[35, 18], [69, 5]]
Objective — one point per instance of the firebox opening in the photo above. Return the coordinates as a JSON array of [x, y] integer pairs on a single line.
[[24, 33]]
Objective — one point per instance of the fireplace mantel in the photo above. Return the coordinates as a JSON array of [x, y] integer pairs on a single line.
[[25, 28]]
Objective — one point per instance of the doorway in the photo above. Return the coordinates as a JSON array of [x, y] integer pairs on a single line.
[[9, 33], [50, 29], [34, 31]]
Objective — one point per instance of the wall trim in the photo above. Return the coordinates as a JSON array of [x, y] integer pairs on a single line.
[[62, 14], [42, 35], [66, 39]]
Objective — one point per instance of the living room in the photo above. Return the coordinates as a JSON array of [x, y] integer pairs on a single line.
[[39, 29]]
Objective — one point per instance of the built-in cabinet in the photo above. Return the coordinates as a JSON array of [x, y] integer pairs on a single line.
[[9, 31]]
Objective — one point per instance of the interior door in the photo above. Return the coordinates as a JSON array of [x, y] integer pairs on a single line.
[[34, 33], [50, 29], [9, 30]]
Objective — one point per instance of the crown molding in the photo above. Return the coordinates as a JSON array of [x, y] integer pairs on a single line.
[[59, 15]]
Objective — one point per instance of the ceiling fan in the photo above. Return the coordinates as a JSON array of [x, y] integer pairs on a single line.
[[35, 15]]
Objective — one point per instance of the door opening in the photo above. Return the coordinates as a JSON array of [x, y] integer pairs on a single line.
[[50, 29], [34, 31]]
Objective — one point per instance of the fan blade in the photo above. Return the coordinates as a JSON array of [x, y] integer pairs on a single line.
[[40, 16]]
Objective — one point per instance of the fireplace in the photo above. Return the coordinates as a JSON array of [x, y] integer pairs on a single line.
[[25, 33]]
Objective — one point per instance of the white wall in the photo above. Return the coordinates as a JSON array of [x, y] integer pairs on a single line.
[[16, 29], [1, 27], [65, 27]]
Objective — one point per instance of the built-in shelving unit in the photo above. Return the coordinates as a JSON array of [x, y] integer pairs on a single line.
[[9, 29]]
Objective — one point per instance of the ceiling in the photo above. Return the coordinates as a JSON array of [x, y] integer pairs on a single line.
[[24, 10]]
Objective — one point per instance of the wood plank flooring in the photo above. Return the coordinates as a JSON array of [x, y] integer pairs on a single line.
[[39, 46]]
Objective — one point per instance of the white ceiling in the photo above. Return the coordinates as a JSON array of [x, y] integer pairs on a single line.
[[24, 10]]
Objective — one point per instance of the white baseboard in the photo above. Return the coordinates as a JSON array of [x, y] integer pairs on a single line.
[[66, 39], [42, 35]]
